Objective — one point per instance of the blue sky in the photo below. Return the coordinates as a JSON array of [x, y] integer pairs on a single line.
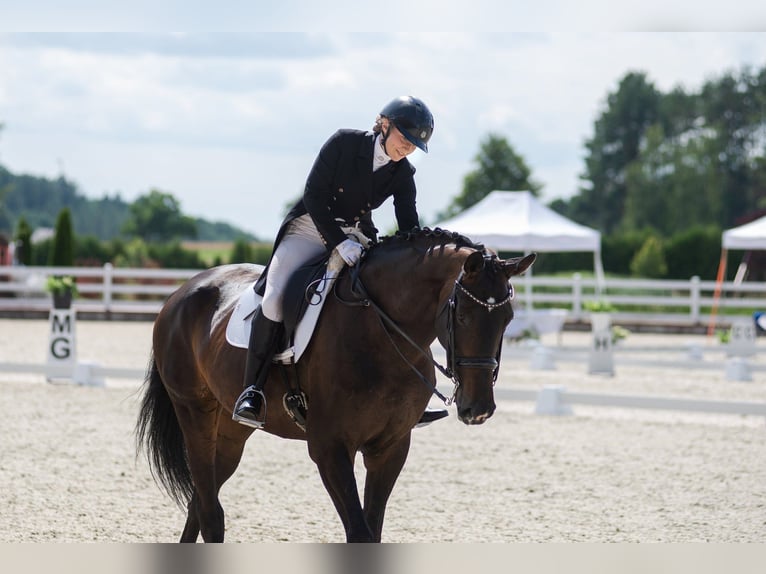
[[229, 122]]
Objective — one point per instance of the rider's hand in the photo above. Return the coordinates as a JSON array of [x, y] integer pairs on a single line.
[[350, 251]]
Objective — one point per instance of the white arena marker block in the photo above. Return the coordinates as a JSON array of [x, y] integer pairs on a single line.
[[542, 359], [742, 339], [550, 402], [83, 375], [694, 352], [738, 369]]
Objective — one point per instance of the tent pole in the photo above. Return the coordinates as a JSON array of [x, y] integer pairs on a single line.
[[528, 286], [599, 268], [717, 293]]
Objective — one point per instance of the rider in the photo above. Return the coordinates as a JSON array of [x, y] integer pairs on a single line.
[[355, 172]]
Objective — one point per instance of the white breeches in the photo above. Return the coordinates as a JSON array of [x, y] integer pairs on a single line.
[[300, 243]]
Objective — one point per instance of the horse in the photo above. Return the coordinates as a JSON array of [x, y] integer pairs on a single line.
[[367, 373]]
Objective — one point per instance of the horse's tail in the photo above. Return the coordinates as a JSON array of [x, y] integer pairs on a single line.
[[159, 434]]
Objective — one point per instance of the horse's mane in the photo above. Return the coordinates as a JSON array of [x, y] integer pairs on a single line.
[[435, 236]]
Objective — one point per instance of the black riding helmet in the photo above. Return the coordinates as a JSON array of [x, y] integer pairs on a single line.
[[411, 117]]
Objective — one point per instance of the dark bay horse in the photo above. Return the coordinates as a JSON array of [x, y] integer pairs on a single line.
[[368, 373]]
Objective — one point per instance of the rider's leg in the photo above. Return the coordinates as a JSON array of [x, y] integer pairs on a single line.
[[264, 337], [294, 250]]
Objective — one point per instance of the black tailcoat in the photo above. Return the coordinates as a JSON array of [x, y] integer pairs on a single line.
[[342, 190]]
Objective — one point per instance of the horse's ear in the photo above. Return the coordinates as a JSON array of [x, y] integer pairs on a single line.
[[517, 265], [474, 263]]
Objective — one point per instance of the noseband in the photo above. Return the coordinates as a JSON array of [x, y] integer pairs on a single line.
[[450, 308]]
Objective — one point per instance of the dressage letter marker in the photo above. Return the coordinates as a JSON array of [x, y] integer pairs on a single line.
[[742, 339], [600, 360], [62, 350]]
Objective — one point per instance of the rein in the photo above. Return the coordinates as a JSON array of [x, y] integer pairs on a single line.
[[450, 306]]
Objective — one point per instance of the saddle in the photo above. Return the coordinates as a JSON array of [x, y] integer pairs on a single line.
[[304, 297], [304, 288]]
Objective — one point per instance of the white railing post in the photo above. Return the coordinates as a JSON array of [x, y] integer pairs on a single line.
[[577, 296], [107, 294], [694, 296], [528, 289]]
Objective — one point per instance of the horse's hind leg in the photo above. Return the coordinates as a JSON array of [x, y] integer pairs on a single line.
[[191, 528], [383, 468], [230, 444], [199, 423]]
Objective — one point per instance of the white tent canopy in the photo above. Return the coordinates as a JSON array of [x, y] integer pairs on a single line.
[[517, 221], [751, 236]]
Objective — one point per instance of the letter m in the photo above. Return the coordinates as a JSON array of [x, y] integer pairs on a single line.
[[62, 326]]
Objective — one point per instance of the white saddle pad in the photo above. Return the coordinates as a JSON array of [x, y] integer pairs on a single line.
[[238, 329]]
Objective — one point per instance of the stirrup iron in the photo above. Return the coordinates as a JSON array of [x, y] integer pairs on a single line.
[[249, 393]]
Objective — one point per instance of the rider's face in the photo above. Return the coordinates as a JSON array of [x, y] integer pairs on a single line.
[[397, 146]]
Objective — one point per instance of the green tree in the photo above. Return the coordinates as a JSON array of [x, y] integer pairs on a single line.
[[673, 185], [23, 241], [649, 262], [498, 167], [134, 253], [733, 109], [61, 253], [618, 133], [157, 217]]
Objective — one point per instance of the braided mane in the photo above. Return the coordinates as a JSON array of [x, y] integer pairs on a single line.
[[437, 236]]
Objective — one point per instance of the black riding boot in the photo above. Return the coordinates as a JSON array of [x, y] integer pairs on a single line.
[[250, 408]]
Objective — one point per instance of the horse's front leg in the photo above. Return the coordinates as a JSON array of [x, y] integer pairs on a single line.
[[383, 468], [336, 467]]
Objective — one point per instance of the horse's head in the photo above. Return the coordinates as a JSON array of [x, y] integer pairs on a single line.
[[471, 327]]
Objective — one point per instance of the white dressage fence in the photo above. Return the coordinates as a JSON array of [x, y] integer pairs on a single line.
[[143, 291], [110, 289], [556, 400], [106, 289]]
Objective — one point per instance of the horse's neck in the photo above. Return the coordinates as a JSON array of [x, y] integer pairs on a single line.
[[413, 282]]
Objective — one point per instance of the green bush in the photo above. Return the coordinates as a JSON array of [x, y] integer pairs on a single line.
[[174, 256], [90, 250], [618, 250], [695, 251], [241, 252]]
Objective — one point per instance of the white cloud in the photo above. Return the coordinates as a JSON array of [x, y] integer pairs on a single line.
[[238, 118]]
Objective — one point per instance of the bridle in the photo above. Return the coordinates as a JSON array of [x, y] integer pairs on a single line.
[[454, 361], [449, 308]]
